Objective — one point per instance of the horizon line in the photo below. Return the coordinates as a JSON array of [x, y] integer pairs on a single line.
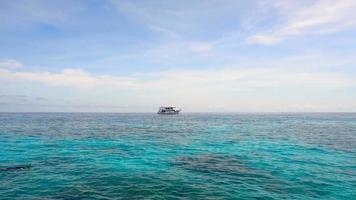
[[192, 112]]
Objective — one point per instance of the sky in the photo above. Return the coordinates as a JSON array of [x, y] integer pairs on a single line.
[[200, 55]]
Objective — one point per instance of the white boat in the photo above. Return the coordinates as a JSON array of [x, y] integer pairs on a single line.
[[168, 110]]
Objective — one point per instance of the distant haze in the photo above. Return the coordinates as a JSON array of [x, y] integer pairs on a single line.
[[202, 56]]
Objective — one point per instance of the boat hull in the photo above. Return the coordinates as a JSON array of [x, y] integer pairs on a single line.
[[168, 113]]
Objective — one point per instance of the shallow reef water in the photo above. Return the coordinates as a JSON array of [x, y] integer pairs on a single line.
[[186, 156]]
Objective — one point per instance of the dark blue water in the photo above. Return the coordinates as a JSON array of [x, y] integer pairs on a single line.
[[188, 156]]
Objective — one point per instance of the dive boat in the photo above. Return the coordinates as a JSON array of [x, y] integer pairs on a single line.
[[168, 110]]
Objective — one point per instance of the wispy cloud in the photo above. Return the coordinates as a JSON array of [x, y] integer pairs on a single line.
[[67, 77], [324, 16], [183, 80], [201, 47], [20, 99], [176, 18], [13, 98], [214, 90], [10, 64], [23, 13]]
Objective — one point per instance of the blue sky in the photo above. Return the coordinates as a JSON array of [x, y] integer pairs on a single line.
[[212, 55]]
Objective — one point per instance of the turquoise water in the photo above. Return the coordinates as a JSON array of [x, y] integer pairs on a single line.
[[188, 156]]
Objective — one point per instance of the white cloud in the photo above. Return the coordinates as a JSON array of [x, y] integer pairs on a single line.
[[245, 79], [185, 80], [324, 16], [173, 52], [10, 64], [68, 77], [195, 90], [201, 47]]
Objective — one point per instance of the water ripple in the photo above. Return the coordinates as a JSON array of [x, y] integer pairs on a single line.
[[191, 156]]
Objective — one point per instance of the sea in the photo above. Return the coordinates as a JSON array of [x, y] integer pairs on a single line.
[[186, 156]]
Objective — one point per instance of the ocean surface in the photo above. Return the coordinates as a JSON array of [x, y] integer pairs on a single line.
[[187, 156]]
